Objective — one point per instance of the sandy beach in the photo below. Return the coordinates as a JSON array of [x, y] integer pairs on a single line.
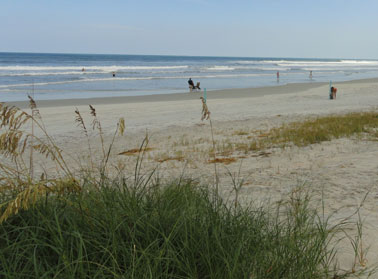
[[342, 170]]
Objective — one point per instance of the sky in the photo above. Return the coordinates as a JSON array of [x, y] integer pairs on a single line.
[[243, 28]]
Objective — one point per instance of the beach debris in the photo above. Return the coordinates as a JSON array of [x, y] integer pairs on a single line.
[[177, 158], [225, 161], [262, 154], [263, 135], [134, 151]]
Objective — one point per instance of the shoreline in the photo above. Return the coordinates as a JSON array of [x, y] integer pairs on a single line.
[[213, 94]]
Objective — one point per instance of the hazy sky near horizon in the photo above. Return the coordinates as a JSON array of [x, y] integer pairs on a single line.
[[265, 28]]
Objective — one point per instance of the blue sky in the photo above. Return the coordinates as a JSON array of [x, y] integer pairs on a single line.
[[265, 28]]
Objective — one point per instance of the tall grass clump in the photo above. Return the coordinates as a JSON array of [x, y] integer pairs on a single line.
[[318, 130], [163, 231], [20, 188], [326, 128]]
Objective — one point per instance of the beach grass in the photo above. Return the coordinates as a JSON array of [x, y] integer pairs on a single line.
[[116, 230], [312, 131], [362, 125], [324, 129]]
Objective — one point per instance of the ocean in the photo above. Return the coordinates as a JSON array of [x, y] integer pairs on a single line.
[[67, 76]]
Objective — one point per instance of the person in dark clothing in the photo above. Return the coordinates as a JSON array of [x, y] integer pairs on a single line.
[[191, 84]]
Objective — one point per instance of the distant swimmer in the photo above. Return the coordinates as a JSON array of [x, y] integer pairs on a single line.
[[83, 70], [113, 74]]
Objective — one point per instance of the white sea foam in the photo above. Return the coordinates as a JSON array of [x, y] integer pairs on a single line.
[[340, 69], [373, 62], [79, 68], [246, 62], [298, 63], [265, 68], [48, 73], [342, 64], [257, 62], [245, 68], [220, 68]]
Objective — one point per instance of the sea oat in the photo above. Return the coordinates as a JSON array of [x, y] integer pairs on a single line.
[[97, 124], [80, 121], [32, 103], [33, 107]]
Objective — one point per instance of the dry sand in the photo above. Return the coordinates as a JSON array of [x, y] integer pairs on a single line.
[[343, 170]]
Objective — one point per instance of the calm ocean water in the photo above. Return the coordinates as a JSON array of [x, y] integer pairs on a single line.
[[61, 76]]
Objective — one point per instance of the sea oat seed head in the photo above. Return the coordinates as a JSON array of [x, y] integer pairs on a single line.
[[93, 110], [32, 103]]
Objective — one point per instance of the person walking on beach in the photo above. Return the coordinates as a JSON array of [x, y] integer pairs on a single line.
[[278, 75], [333, 93], [310, 74]]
